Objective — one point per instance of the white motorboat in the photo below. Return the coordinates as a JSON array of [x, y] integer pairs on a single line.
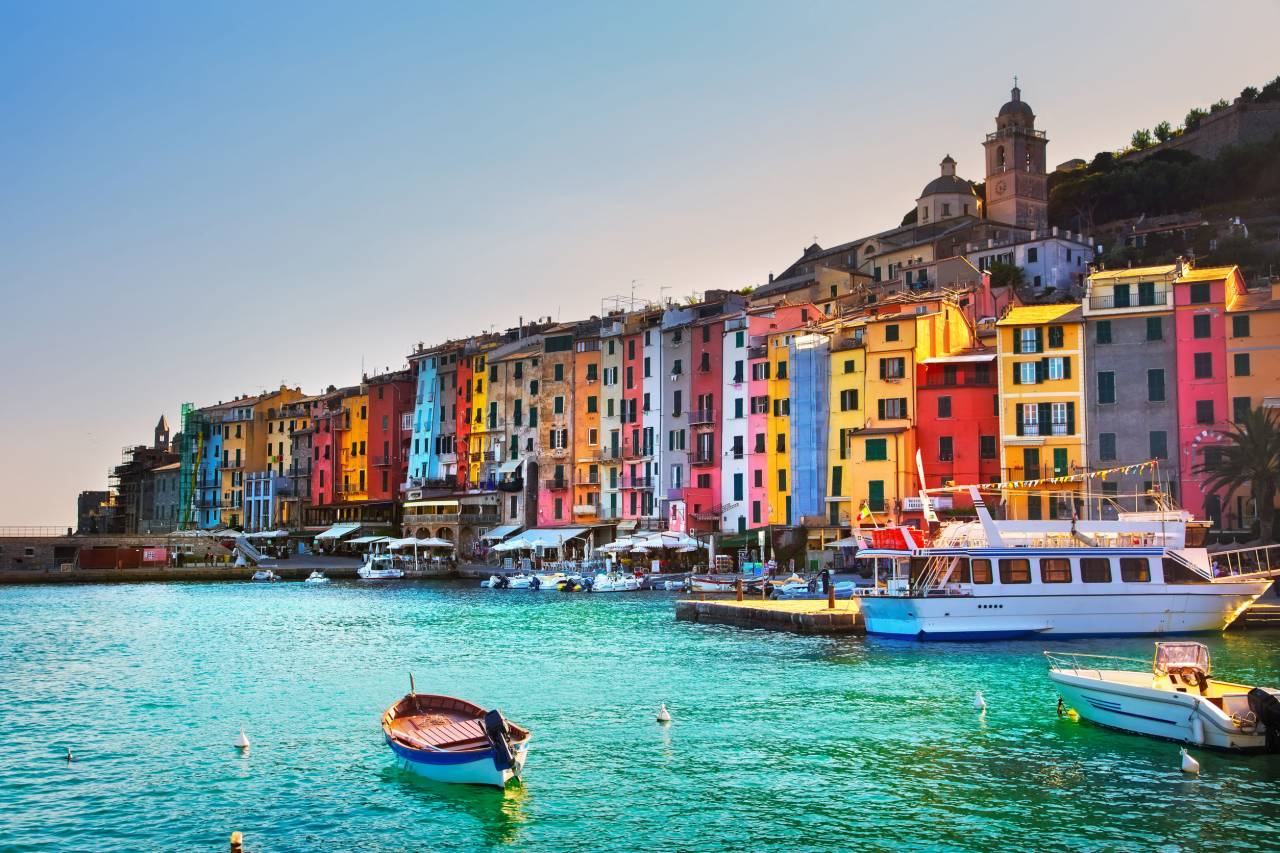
[[316, 577], [1172, 698], [1140, 574], [614, 582], [265, 575]]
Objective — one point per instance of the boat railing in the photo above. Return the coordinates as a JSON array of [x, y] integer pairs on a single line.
[[1084, 664], [1261, 561]]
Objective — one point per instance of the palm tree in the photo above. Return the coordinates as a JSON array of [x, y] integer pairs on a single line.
[[1249, 459]]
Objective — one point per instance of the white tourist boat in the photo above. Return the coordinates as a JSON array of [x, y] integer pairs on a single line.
[[614, 582], [1144, 573], [1172, 698], [265, 575], [379, 567], [316, 577]]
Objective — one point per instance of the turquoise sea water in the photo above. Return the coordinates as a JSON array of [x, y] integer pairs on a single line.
[[778, 743]]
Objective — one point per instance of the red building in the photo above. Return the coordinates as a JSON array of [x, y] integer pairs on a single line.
[[958, 424], [702, 495], [391, 402], [635, 478], [462, 420]]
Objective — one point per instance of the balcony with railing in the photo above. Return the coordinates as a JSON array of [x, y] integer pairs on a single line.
[[1015, 130], [511, 484], [637, 482], [383, 461], [1124, 301], [703, 459], [556, 484], [702, 417], [586, 509]]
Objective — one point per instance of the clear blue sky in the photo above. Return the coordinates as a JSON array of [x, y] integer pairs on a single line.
[[200, 200]]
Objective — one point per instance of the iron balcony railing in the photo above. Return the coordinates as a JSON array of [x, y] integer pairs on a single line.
[[556, 484], [637, 482], [1160, 297], [703, 459], [702, 416]]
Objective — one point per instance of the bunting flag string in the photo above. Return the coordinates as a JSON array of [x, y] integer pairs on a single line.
[[1136, 468]]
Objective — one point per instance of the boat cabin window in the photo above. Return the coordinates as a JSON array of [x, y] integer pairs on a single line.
[[1095, 570], [1055, 570], [981, 570], [960, 573], [1196, 534], [1178, 572], [1134, 570], [1015, 571]]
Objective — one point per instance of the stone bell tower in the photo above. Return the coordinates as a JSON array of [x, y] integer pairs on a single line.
[[1017, 185]]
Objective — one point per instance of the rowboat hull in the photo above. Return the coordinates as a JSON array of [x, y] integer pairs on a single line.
[[475, 767], [1181, 717]]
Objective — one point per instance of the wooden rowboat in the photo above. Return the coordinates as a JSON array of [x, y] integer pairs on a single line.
[[453, 740]]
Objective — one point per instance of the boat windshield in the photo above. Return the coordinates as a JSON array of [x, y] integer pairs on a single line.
[[1173, 656]]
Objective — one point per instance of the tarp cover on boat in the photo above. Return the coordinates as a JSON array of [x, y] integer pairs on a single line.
[[338, 531], [500, 532]]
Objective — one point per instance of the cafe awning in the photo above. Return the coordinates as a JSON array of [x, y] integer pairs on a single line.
[[368, 540], [509, 466], [627, 526], [551, 537], [502, 531], [340, 530]]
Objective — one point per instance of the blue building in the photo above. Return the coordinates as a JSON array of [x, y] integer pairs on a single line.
[[424, 455]]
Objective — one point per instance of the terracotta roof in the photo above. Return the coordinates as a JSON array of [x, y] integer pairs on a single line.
[[1206, 274], [1031, 315], [1255, 300]]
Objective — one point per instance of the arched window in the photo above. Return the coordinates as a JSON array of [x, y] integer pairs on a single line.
[[1027, 160], [1000, 157]]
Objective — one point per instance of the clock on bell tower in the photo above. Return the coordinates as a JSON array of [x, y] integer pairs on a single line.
[[1017, 186]]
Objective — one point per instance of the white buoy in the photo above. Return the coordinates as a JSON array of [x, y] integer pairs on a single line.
[[664, 716], [242, 742], [1189, 764], [979, 704]]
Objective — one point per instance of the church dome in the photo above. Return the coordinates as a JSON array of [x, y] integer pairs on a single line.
[[1016, 106], [947, 184]]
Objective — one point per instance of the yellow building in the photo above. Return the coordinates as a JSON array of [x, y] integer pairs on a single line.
[[1040, 358], [847, 416], [246, 445], [1253, 364], [778, 472], [352, 472], [487, 434]]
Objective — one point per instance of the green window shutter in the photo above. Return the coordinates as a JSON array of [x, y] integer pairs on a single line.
[[1017, 373], [1055, 336], [1045, 412], [877, 449], [1042, 370], [1071, 418], [1059, 462], [875, 495], [1039, 339], [1017, 341]]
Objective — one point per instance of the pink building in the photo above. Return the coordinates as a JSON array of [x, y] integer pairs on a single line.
[[1200, 300]]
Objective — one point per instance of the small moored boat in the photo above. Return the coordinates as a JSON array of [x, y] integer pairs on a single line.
[[1174, 699], [265, 575], [453, 740], [316, 577], [614, 582]]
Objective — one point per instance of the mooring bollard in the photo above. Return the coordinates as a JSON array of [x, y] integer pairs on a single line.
[[737, 588], [237, 843], [831, 596]]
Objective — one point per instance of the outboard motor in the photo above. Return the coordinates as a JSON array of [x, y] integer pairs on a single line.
[[495, 726], [503, 582], [534, 582], [1265, 705]]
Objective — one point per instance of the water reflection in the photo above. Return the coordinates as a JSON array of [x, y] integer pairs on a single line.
[[500, 812]]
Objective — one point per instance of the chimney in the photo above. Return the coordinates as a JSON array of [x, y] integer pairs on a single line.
[[771, 278], [1177, 267]]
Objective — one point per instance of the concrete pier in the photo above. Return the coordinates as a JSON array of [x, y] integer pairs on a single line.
[[805, 616]]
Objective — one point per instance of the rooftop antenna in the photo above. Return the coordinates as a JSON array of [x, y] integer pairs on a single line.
[[662, 289]]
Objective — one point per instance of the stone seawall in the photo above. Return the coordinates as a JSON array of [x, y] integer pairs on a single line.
[[797, 617]]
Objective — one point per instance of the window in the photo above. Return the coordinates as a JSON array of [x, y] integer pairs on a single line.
[[1177, 572], [980, 571], [1058, 368], [892, 408], [1030, 419], [1200, 293], [1240, 362], [987, 446], [944, 407], [877, 449], [1095, 569], [1204, 411], [1033, 255], [1155, 329], [1055, 337], [1028, 341], [892, 368], [558, 405], [1015, 571], [780, 442], [1240, 408], [1155, 385], [849, 366], [891, 332], [1204, 365], [1134, 570], [1106, 386], [1055, 570], [1200, 326], [1159, 443], [1240, 326], [677, 367], [1027, 373], [782, 479], [849, 400], [1102, 332], [593, 405], [944, 448], [875, 495]]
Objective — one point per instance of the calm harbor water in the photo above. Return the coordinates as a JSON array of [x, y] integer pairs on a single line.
[[779, 742]]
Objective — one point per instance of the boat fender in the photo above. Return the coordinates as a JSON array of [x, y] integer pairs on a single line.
[[1265, 705], [1197, 728], [496, 728]]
